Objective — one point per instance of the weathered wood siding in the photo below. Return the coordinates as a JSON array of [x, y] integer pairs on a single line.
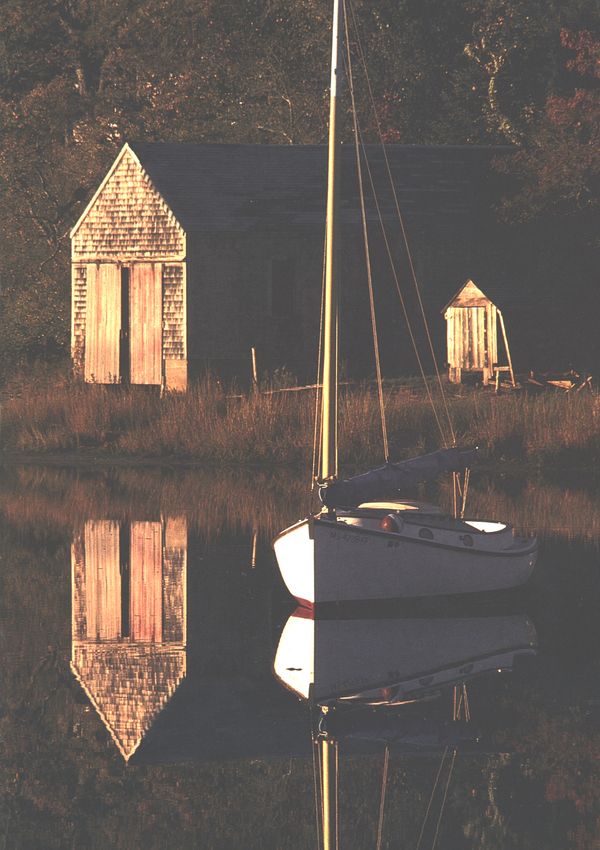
[[103, 323], [128, 219], [78, 304], [174, 326], [145, 323], [174, 580], [472, 343], [78, 618]]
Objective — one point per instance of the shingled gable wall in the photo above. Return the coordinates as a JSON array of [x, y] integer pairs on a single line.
[[128, 222]]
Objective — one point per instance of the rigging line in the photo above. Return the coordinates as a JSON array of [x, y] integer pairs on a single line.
[[466, 703], [433, 790], [386, 447], [317, 421], [401, 297], [384, 780], [444, 799], [401, 220], [398, 288], [465, 492]]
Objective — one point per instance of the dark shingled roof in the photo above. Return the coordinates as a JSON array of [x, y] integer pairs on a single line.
[[245, 187]]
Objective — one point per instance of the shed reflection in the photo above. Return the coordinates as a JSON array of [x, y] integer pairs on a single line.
[[129, 620]]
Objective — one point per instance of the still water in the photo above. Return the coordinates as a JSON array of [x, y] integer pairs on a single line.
[[151, 663]]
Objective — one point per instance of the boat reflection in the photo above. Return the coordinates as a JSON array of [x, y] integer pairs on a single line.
[[360, 676], [129, 620], [394, 661]]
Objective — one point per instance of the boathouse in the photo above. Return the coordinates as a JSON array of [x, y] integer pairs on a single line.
[[187, 255], [472, 320]]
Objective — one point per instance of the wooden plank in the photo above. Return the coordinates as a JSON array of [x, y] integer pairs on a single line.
[[481, 337], [103, 323], [492, 335], [450, 353], [102, 580], [463, 354], [475, 340], [505, 338], [467, 341], [145, 331], [175, 375], [146, 612]]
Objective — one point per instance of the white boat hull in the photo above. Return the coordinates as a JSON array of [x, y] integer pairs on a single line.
[[323, 560], [333, 659]]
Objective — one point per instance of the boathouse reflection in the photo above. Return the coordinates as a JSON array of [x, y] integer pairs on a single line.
[[129, 620]]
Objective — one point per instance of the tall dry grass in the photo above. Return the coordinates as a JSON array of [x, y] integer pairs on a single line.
[[209, 426]]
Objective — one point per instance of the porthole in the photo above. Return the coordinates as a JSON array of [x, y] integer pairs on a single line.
[[389, 523], [426, 533], [467, 539]]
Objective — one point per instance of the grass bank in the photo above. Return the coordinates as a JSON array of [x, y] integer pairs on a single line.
[[207, 425]]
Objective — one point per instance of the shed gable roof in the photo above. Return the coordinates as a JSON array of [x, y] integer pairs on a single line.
[[220, 187], [469, 295], [127, 159]]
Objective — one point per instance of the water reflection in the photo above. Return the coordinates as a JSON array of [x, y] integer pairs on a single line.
[[124, 572], [129, 621], [392, 661], [359, 676]]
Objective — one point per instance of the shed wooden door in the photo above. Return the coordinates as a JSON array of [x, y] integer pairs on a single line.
[[145, 323], [146, 582], [103, 323], [477, 337], [467, 338], [102, 580]]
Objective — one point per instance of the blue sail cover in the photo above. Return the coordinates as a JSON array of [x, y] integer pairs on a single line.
[[385, 483]]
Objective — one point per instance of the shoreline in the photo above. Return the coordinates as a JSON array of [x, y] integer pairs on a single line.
[[205, 429], [95, 460]]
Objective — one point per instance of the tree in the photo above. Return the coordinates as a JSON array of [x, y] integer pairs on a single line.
[[558, 165]]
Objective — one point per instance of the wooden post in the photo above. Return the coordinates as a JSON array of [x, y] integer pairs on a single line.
[[254, 369], [505, 338]]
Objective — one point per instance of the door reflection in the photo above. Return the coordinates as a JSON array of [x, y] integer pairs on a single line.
[[129, 620]]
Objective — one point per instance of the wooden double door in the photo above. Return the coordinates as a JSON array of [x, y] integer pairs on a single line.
[[123, 340]]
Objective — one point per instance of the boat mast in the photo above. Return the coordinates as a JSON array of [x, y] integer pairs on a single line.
[[328, 462]]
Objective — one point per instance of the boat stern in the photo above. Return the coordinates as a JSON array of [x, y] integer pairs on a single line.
[[295, 553]]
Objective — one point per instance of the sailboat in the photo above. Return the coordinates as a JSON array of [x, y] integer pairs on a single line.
[[368, 543]]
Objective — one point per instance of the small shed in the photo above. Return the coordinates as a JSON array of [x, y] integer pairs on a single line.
[[472, 335]]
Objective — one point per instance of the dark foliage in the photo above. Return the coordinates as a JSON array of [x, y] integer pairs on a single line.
[[79, 77]]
